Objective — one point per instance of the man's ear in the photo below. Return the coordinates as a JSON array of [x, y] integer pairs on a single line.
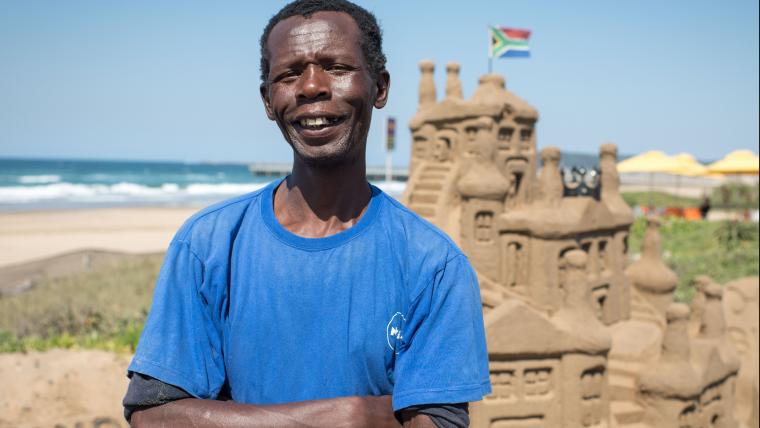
[[383, 83], [264, 91]]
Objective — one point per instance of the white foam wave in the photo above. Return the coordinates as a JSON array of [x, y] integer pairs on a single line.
[[39, 179], [223, 188], [120, 192], [393, 188]]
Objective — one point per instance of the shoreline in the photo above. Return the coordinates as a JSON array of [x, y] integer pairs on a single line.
[[26, 236]]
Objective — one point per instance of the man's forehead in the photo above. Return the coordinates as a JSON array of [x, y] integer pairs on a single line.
[[313, 33]]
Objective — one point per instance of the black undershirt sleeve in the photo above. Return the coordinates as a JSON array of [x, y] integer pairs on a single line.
[[145, 391]]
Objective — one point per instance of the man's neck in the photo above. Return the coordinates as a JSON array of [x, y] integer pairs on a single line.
[[316, 202]]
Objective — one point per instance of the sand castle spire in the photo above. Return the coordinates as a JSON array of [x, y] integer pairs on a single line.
[[651, 276], [549, 179], [673, 375], [610, 184], [713, 322], [698, 302], [427, 84], [610, 176], [453, 84], [675, 342], [576, 316]]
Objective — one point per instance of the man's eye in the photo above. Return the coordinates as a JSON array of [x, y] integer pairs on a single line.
[[338, 67], [287, 76]]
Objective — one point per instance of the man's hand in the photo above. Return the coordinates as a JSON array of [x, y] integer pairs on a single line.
[[374, 412]]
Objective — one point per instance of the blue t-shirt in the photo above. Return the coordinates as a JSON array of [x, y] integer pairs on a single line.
[[389, 306]]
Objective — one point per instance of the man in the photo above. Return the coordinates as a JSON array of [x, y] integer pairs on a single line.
[[319, 300]]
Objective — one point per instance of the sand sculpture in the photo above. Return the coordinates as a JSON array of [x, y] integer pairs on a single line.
[[577, 336]]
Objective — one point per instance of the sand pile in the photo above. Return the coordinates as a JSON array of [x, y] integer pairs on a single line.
[[62, 388]]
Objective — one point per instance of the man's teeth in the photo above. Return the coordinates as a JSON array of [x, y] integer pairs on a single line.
[[317, 121]]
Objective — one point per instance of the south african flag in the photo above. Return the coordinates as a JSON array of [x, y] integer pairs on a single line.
[[508, 42]]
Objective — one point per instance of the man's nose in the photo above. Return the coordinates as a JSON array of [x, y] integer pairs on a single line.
[[314, 83]]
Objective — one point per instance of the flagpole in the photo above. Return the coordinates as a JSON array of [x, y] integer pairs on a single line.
[[490, 59]]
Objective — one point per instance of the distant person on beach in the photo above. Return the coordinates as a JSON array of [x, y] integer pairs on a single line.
[[704, 207], [317, 301]]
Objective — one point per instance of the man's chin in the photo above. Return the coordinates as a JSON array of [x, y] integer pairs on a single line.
[[327, 160]]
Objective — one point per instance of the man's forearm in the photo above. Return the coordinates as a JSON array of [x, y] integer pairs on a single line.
[[335, 412]]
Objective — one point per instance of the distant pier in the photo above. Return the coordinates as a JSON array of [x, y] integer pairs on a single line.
[[374, 173]]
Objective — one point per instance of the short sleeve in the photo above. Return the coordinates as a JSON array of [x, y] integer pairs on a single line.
[[443, 357], [181, 342]]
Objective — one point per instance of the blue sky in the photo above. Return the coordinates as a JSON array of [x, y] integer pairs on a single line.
[[179, 80]]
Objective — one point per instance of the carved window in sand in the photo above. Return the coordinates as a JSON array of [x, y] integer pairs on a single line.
[[504, 385], [525, 138], [420, 147], [515, 264], [484, 226], [538, 383], [471, 132], [689, 417], [592, 388], [505, 137], [521, 381], [604, 257], [562, 267]]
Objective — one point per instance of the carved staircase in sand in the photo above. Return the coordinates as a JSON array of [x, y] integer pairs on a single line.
[[431, 189]]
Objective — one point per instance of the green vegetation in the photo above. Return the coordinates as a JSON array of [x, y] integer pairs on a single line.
[[103, 309], [729, 196], [723, 250], [659, 199], [736, 195]]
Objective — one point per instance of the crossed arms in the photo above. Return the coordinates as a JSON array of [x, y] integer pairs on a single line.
[[334, 412]]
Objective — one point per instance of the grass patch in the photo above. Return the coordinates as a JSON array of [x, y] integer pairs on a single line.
[[659, 199], [103, 309], [725, 250]]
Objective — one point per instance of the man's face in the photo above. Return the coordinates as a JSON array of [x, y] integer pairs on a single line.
[[320, 90]]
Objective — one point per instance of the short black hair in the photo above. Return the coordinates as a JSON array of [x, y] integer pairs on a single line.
[[371, 42]]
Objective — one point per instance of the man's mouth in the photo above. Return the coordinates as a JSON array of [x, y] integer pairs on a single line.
[[318, 123]]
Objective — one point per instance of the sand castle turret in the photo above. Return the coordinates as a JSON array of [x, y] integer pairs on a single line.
[[713, 323], [698, 301], [650, 275], [427, 84], [577, 315], [610, 182], [549, 179], [670, 389], [453, 84]]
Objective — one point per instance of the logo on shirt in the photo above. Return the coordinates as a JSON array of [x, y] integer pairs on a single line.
[[394, 331]]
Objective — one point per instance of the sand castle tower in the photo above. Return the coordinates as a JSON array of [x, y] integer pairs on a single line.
[[671, 388], [552, 370]]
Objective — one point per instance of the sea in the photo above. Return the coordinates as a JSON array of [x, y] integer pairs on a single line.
[[34, 184], [44, 184]]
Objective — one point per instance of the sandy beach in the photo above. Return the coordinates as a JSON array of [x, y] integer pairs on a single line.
[[28, 236], [73, 387]]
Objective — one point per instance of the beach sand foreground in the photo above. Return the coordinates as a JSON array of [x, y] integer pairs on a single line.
[[62, 388], [27, 236], [73, 388]]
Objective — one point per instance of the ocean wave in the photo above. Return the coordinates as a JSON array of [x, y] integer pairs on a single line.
[[120, 192], [39, 179], [393, 188]]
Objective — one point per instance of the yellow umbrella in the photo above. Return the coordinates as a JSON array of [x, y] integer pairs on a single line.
[[650, 162], [689, 166], [653, 161], [739, 162]]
